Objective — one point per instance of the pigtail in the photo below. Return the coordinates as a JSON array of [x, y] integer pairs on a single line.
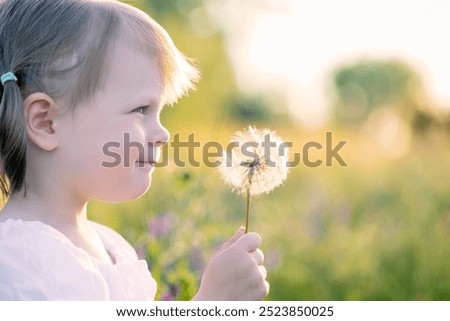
[[13, 142]]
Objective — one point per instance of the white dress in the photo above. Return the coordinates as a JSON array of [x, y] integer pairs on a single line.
[[37, 262]]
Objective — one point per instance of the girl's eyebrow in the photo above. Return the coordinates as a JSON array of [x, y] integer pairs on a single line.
[[148, 101]]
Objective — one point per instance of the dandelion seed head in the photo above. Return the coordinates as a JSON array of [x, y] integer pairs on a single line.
[[257, 164]]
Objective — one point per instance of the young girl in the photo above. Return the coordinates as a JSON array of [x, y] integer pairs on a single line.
[[75, 75]]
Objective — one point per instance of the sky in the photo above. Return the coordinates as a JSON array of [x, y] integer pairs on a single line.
[[291, 46]]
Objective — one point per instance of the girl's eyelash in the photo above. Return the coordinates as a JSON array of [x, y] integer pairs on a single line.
[[141, 109]]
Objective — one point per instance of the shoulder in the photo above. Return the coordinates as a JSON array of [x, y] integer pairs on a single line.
[[39, 263], [115, 243]]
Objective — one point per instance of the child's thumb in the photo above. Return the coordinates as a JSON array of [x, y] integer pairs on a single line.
[[234, 238], [250, 242]]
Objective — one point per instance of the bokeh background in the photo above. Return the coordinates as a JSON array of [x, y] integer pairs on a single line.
[[374, 73]]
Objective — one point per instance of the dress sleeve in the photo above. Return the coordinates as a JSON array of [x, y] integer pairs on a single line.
[[35, 264]]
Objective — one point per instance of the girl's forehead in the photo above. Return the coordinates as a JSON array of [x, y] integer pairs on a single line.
[[131, 54], [134, 73]]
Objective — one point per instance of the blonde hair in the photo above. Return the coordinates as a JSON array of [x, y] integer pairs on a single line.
[[61, 47]]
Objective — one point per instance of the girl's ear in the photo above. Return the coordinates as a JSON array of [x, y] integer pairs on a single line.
[[40, 113]]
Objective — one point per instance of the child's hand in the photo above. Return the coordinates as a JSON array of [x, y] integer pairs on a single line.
[[236, 271]]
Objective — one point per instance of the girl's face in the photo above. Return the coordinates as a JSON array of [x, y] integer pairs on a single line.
[[108, 146]]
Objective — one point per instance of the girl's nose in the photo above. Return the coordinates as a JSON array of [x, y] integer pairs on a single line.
[[160, 137]]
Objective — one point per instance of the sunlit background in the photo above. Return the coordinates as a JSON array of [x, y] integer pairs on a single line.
[[292, 47], [374, 73]]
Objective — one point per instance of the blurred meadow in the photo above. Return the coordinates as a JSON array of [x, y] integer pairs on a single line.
[[376, 229]]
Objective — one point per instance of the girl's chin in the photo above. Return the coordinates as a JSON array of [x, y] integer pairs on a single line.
[[132, 193], [138, 190]]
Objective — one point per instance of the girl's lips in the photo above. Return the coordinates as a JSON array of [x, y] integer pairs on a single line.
[[143, 164]]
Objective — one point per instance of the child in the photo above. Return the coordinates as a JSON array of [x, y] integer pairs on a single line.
[[75, 75]]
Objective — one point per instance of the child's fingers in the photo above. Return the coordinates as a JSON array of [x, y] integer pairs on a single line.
[[267, 286], [257, 256], [250, 241], [234, 238], [263, 271]]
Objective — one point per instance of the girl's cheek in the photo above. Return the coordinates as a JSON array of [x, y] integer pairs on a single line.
[[136, 134], [133, 144]]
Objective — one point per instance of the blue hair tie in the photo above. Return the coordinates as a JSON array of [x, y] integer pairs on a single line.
[[8, 77]]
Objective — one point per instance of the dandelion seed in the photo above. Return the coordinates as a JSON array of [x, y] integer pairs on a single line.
[[256, 165]]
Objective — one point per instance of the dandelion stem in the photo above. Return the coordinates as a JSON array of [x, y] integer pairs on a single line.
[[248, 210]]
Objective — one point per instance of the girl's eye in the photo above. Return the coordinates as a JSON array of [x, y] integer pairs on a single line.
[[141, 110]]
